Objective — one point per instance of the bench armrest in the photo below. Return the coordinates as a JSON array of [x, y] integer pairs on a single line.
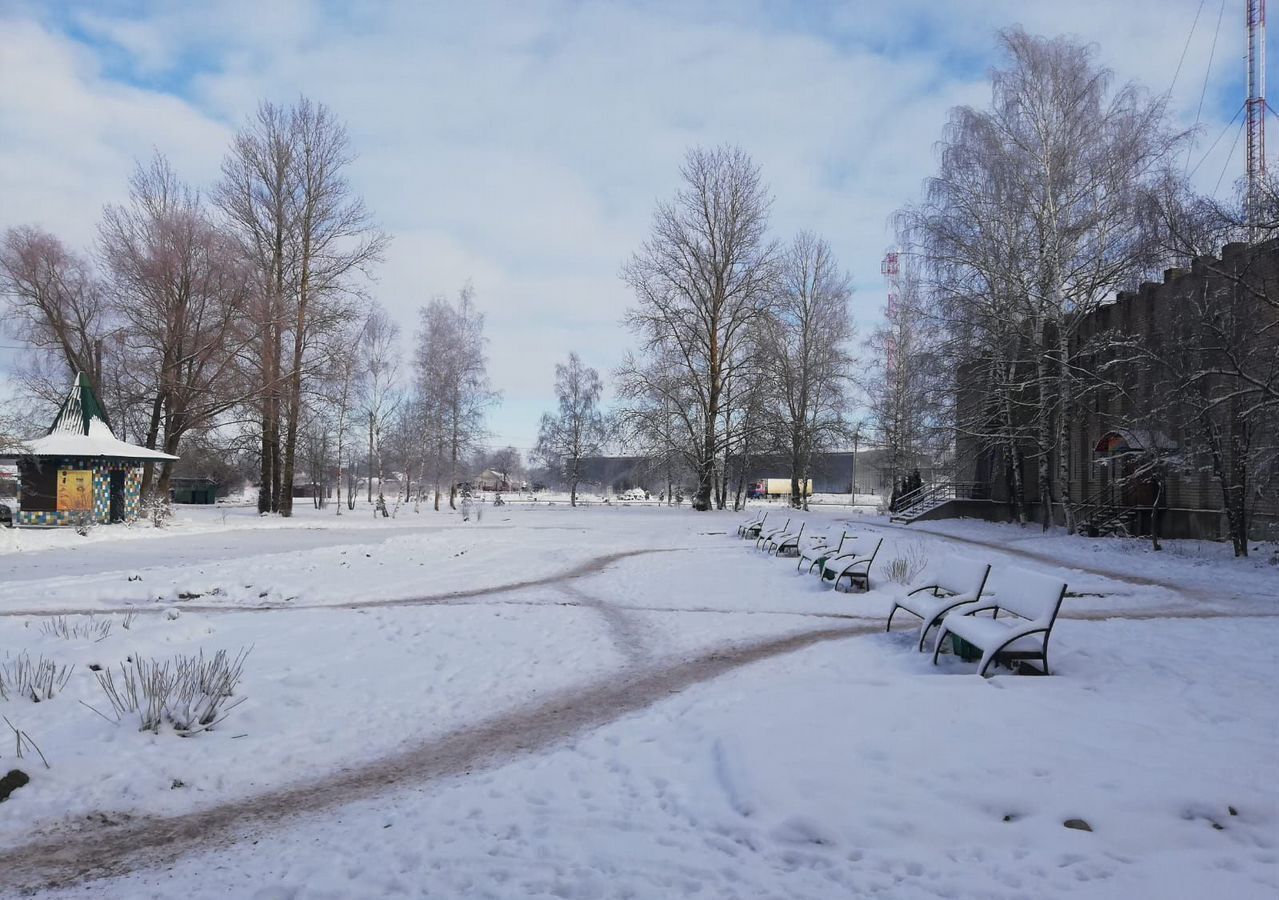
[[926, 587], [981, 607]]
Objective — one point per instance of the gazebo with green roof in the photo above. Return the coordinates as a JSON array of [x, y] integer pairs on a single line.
[[80, 471]]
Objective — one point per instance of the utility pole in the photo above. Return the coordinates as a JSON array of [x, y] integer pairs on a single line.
[[1256, 109], [857, 434]]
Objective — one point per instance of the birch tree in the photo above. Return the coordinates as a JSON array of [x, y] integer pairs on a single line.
[[453, 388], [577, 430], [1059, 159], [904, 381], [341, 389], [378, 386]]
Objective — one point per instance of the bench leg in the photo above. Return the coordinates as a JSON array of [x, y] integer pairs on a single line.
[[923, 632], [941, 636]]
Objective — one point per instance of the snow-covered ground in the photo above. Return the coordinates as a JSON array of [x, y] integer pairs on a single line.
[[625, 701]]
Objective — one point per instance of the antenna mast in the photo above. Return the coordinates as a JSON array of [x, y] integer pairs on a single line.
[[890, 268], [1256, 106]]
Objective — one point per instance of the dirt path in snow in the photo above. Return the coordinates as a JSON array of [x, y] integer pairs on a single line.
[[89, 852], [592, 566]]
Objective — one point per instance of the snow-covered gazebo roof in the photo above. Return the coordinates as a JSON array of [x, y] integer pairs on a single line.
[[81, 429]]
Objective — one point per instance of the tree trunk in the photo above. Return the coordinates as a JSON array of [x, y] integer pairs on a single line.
[[267, 474], [1045, 438], [1065, 399], [153, 432], [275, 380]]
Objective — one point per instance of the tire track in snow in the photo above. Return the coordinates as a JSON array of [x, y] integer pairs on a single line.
[[64, 858]]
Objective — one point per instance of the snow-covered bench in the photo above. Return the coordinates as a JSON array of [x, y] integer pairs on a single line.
[[767, 534], [751, 527], [820, 547], [786, 543], [1033, 598], [950, 582], [854, 566]]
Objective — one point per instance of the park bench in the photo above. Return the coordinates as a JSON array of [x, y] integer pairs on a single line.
[[785, 544], [951, 582], [1032, 598], [751, 527], [821, 547], [854, 566], [767, 534]]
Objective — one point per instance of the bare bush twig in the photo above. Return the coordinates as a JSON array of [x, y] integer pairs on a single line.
[[22, 740], [37, 680], [905, 568], [92, 628], [191, 693]]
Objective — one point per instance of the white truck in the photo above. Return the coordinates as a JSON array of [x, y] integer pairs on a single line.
[[777, 488]]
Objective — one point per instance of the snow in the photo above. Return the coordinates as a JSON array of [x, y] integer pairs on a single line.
[[99, 441], [847, 767]]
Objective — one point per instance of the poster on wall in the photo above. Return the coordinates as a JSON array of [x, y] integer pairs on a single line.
[[75, 489]]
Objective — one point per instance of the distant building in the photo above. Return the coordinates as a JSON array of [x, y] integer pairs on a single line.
[[198, 490], [832, 472], [79, 472], [492, 480], [1134, 463]]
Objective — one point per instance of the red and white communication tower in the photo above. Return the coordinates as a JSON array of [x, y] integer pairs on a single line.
[[891, 270], [1256, 104]]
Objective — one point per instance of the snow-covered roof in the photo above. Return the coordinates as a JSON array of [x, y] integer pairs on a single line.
[[81, 429]]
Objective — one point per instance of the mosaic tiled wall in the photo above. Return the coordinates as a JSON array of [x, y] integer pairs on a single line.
[[101, 494]]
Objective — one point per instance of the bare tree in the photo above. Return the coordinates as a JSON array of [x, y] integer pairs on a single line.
[[702, 280], [179, 289], [285, 193], [379, 388], [509, 462], [453, 389], [340, 389], [10, 434], [808, 355], [256, 195], [1036, 207], [904, 382], [55, 300], [336, 240], [577, 430]]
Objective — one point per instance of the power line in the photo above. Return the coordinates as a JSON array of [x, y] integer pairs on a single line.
[[1213, 146], [1229, 157], [1185, 47], [1212, 54]]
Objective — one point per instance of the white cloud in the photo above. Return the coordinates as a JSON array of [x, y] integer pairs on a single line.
[[523, 145]]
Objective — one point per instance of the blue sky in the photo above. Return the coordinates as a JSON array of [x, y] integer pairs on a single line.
[[522, 145]]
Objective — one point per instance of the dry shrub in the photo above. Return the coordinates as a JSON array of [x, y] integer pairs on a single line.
[[35, 679], [906, 567], [68, 629], [190, 693]]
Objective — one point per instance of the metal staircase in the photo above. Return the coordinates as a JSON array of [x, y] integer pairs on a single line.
[[1098, 515], [917, 503]]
